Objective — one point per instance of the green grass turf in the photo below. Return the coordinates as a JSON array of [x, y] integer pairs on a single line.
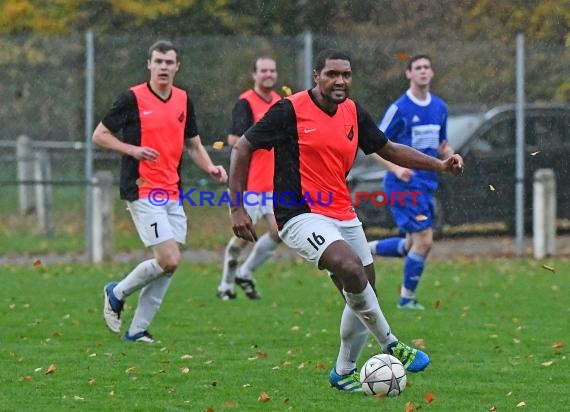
[[208, 227], [489, 327]]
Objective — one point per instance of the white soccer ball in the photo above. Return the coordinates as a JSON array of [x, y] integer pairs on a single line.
[[383, 375]]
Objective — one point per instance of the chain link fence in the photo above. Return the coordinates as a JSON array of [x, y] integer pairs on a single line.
[[43, 95]]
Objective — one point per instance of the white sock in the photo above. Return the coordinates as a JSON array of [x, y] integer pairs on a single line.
[[262, 250], [231, 258], [365, 305], [406, 293], [150, 299], [139, 277], [353, 336]]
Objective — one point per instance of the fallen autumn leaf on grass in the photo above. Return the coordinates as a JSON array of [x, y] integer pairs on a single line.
[[264, 397], [429, 397], [419, 343], [549, 268]]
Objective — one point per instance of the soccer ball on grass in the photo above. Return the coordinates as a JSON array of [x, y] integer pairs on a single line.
[[383, 375]]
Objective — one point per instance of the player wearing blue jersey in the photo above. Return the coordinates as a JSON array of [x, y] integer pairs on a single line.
[[417, 119]]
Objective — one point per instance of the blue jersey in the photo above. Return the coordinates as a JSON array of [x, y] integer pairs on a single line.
[[419, 124]]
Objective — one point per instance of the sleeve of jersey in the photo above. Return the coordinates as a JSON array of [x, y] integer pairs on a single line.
[[390, 123], [277, 126], [123, 108], [370, 138], [242, 117], [190, 128]]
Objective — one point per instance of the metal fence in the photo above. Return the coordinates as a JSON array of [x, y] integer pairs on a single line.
[[43, 88]]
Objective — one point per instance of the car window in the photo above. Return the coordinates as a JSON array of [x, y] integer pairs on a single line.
[[499, 136], [543, 131], [461, 127]]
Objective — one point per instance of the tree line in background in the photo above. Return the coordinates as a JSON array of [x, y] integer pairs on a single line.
[[42, 52], [464, 20]]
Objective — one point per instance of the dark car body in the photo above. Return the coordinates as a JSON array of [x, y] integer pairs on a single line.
[[485, 193]]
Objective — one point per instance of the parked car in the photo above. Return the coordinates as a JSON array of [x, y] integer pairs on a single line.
[[485, 193]]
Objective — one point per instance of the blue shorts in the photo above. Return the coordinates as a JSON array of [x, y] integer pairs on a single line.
[[416, 212]]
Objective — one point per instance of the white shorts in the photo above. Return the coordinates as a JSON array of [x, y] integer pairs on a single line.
[[258, 205], [310, 234], [156, 224]]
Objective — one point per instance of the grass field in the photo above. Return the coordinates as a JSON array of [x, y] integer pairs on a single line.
[[497, 332]]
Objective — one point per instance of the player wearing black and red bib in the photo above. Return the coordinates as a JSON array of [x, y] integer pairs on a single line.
[[156, 120], [315, 135], [250, 107]]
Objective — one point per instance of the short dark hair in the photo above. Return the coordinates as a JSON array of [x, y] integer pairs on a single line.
[[329, 54], [162, 46], [258, 58], [417, 57]]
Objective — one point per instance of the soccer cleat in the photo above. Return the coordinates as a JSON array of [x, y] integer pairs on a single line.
[[414, 360], [248, 286], [410, 305], [226, 294], [112, 308], [143, 337], [349, 382]]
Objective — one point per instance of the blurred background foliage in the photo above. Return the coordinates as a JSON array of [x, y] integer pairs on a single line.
[[467, 20], [42, 52]]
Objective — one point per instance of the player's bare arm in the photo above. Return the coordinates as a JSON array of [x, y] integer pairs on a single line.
[[200, 156], [402, 173], [103, 137], [242, 225], [444, 150], [232, 139], [406, 156]]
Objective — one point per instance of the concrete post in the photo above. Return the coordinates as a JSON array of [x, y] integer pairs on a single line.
[[102, 229], [44, 193], [544, 213], [25, 172]]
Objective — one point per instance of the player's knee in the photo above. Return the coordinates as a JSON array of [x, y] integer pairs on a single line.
[[274, 234], [346, 265], [236, 246], [424, 248], [169, 262]]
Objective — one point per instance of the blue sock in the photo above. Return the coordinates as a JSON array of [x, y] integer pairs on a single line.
[[391, 247], [413, 269]]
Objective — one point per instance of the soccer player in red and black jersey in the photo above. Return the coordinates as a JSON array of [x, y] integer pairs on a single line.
[[250, 107], [157, 120], [315, 135]]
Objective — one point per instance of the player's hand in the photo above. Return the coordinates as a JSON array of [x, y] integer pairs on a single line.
[[144, 153], [219, 173], [404, 174], [242, 224], [454, 164]]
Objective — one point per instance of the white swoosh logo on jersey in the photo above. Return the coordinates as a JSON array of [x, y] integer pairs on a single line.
[[309, 130], [147, 112]]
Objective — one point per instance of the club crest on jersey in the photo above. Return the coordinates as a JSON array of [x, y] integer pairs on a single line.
[[181, 117], [349, 129]]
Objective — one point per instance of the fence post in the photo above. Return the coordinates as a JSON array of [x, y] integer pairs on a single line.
[[102, 229], [25, 172], [544, 213], [44, 193]]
